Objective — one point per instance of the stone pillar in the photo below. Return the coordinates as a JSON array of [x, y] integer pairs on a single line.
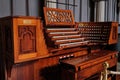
[[119, 11], [100, 10]]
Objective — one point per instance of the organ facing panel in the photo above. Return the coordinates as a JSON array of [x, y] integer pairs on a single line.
[[23, 38]]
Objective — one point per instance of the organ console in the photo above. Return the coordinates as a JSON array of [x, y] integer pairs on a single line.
[[57, 48], [90, 36]]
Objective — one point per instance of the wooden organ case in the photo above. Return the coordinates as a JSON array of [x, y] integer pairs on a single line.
[[60, 49], [21, 38], [21, 43]]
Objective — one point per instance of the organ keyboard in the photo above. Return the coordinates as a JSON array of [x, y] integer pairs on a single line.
[[65, 37]]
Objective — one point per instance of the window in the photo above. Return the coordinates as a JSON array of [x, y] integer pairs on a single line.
[[65, 4], [83, 10]]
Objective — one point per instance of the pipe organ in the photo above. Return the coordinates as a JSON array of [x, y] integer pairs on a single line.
[[57, 48]]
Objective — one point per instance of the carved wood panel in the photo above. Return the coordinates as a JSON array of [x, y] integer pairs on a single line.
[[58, 16], [27, 39]]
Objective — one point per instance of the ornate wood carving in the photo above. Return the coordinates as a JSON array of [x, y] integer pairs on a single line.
[[58, 17], [27, 39]]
